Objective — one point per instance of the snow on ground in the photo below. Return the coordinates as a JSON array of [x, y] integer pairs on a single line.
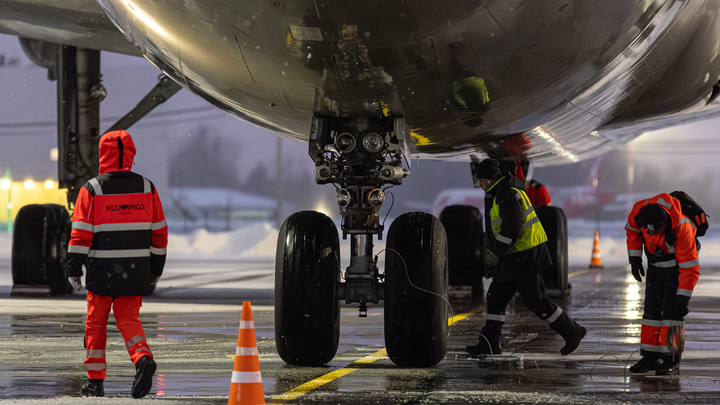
[[259, 241]]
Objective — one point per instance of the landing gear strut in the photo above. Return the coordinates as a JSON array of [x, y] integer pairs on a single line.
[[360, 156]]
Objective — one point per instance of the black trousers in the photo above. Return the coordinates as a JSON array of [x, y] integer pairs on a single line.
[[662, 308], [531, 288]]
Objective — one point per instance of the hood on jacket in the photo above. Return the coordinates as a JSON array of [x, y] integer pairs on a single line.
[[117, 152]]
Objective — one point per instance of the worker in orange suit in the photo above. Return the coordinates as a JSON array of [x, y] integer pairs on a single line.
[[658, 226], [120, 235]]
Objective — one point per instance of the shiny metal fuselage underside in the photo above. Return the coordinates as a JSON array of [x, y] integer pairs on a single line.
[[557, 80]]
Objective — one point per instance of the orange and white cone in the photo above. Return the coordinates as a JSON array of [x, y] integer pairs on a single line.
[[246, 384], [595, 260]]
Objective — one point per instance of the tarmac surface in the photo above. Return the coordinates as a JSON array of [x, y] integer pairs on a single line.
[[192, 323]]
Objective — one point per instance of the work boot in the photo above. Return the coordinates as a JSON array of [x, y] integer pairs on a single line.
[[670, 366], [93, 388], [144, 371], [570, 331], [484, 348], [650, 362]]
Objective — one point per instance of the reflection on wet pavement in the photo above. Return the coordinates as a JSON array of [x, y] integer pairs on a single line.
[[41, 355]]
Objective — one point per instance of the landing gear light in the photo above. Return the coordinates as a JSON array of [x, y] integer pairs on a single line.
[[376, 198]]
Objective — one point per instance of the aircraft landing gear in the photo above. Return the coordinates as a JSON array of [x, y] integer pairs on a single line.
[[307, 311], [360, 156], [40, 241]]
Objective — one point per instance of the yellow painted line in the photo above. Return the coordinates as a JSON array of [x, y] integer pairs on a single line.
[[329, 377], [460, 317], [577, 273], [333, 375]]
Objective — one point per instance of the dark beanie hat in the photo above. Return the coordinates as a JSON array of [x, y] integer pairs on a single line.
[[652, 217], [488, 169]]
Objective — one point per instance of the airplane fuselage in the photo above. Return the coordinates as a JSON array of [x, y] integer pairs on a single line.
[[466, 75]]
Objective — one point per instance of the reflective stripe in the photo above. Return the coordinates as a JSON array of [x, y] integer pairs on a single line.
[[96, 354], [528, 211], [96, 186], [634, 253], [84, 226], [664, 203], [664, 265], [158, 251], [691, 263], [554, 316], [496, 221], [78, 249], [95, 366], [669, 322], [246, 351], [246, 377], [671, 249], [650, 348], [503, 239], [129, 226], [494, 317], [630, 228], [684, 292], [135, 340], [158, 225], [143, 348], [146, 185], [247, 325], [115, 254], [686, 220], [652, 322], [529, 223]]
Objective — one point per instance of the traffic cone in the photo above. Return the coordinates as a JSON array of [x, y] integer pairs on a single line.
[[246, 384], [595, 260]]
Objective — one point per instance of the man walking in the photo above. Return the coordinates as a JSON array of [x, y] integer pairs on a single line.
[[120, 235], [516, 255], [668, 238]]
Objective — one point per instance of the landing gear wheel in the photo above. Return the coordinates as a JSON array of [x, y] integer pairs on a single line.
[[416, 320], [554, 222], [463, 225], [40, 239], [307, 272]]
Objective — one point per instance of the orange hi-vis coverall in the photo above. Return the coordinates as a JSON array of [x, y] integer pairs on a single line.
[[119, 233], [673, 271]]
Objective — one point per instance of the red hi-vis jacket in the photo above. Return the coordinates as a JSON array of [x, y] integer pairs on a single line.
[[660, 253], [118, 227]]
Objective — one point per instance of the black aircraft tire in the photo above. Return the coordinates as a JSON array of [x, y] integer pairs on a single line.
[[464, 228], [554, 222], [307, 272], [416, 320], [40, 238]]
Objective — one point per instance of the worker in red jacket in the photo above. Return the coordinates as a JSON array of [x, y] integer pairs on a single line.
[[658, 226], [537, 193], [120, 235]]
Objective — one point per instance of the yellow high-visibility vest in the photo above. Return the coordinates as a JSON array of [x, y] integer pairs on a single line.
[[531, 231]]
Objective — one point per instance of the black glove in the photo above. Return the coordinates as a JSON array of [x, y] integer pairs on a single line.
[[637, 268]]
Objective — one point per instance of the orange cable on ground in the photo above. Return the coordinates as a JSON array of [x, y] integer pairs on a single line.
[[595, 260], [246, 384]]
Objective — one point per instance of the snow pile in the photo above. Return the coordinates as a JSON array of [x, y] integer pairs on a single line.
[[259, 240]]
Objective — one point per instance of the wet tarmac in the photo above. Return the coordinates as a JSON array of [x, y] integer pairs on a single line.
[[192, 329]]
